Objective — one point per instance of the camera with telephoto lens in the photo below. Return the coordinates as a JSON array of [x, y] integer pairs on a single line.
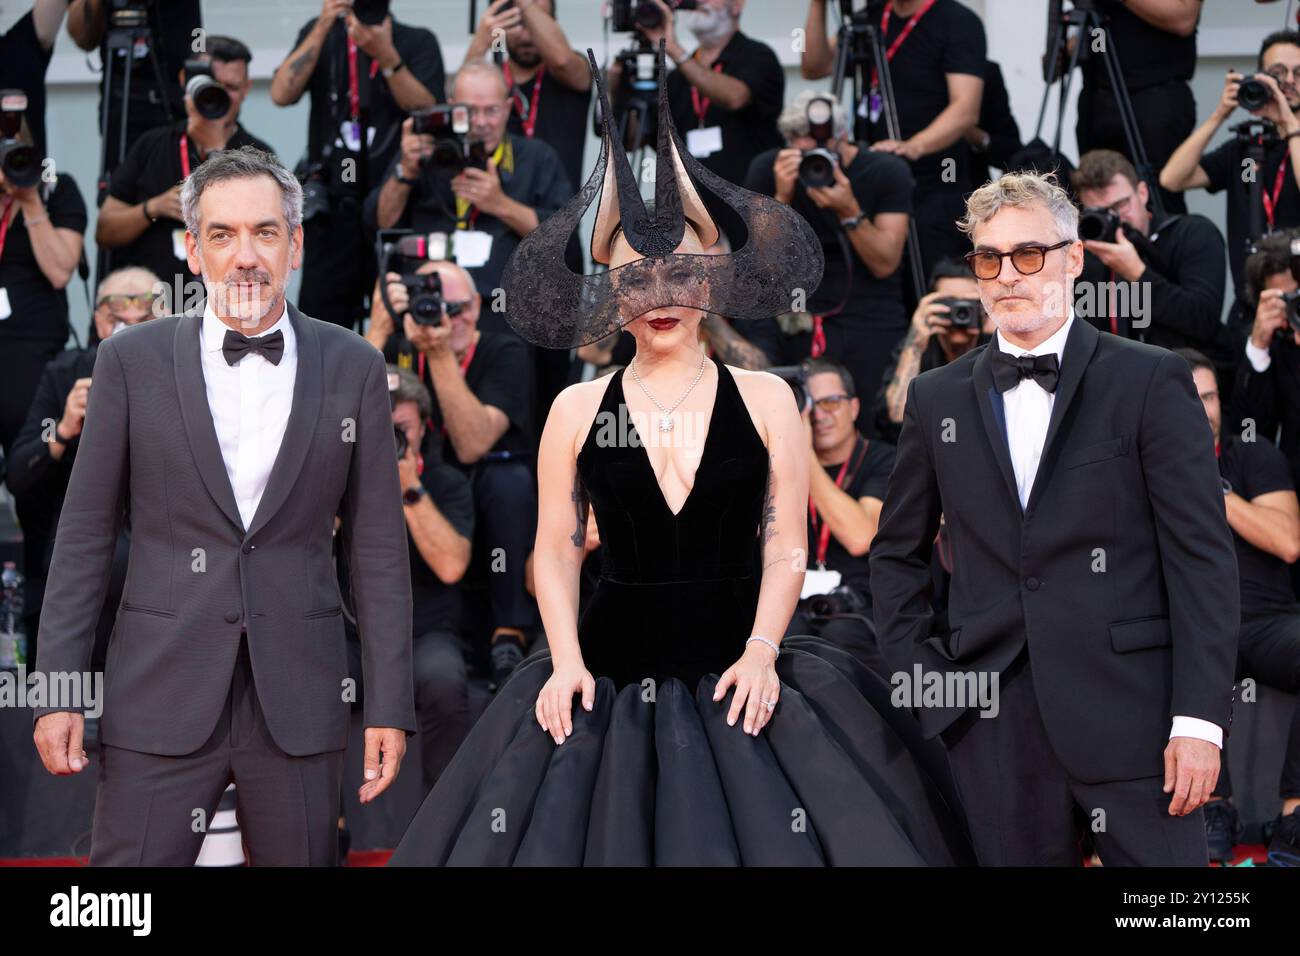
[[963, 313], [210, 97], [627, 15], [370, 12], [1252, 94], [817, 165], [1098, 224], [448, 124], [20, 162], [403, 252], [839, 600]]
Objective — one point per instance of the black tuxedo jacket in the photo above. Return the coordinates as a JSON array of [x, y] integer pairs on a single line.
[[149, 442], [1119, 573]]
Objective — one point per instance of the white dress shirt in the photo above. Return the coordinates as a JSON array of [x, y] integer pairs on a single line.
[[1028, 408], [250, 403]]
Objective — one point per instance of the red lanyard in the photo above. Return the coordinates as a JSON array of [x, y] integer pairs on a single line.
[[4, 226], [354, 94], [1270, 202], [907, 28], [822, 529], [528, 122], [701, 104], [185, 156]]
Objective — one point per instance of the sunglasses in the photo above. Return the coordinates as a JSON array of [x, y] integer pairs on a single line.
[[831, 403], [1026, 259]]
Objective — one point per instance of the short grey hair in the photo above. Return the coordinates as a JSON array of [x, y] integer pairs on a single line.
[[455, 266], [486, 68], [243, 163], [146, 277], [1020, 190], [410, 389], [793, 120]]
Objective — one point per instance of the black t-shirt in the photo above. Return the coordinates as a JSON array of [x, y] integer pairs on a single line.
[[1223, 167], [1147, 55], [499, 374], [530, 173], [330, 100], [152, 167], [1256, 468], [948, 39], [561, 120], [435, 605], [171, 24], [882, 184], [870, 480], [37, 309], [745, 131], [23, 62]]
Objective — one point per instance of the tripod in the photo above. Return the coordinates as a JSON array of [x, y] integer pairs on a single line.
[[858, 48]]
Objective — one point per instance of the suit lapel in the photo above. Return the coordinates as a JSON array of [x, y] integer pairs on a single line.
[[301, 428], [196, 415], [989, 400], [1080, 345]]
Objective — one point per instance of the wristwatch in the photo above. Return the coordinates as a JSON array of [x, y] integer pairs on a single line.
[[388, 73], [397, 174], [1227, 486], [413, 495], [850, 222]]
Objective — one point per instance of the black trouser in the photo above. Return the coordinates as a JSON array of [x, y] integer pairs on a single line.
[[936, 212], [1166, 115], [441, 700], [338, 266], [1268, 649], [505, 524], [1024, 809]]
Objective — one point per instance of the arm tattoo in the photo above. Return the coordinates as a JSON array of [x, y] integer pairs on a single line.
[[581, 504], [909, 363], [768, 526], [731, 347], [308, 57]]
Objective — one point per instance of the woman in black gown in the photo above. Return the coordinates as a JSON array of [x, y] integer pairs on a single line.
[[615, 745]]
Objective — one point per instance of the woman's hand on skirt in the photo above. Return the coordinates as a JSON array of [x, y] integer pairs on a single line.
[[555, 701], [754, 677]]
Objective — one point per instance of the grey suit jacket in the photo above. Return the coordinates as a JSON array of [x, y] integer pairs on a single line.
[[149, 445]]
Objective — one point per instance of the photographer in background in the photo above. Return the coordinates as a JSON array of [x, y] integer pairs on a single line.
[[141, 218], [363, 71], [1155, 43], [40, 465], [861, 217], [844, 501], [997, 137], [480, 383], [1260, 499], [1277, 88], [486, 209], [550, 84], [25, 50], [172, 27], [948, 322], [1180, 268], [936, 52], [439, 510]]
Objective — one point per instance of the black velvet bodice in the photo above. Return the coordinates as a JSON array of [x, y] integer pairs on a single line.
[[677, 592]]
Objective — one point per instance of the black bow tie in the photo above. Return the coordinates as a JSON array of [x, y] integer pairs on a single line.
[[236, 344], [1009, 369]]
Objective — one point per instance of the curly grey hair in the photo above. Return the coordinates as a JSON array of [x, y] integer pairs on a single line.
[[1022, 189], [240, 163]]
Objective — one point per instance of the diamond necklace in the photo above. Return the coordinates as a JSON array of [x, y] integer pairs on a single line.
[[665, 414]]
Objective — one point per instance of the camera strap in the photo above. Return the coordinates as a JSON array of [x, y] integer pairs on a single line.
[[185, 156], [1270, 202], [898, 41], [821, 528], [527, 109], [5, 220]]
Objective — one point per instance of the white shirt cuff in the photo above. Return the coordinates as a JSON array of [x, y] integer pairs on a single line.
[[1260, 360], [1200, 729]]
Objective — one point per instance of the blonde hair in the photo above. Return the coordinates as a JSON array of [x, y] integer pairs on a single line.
[[1021, 190]]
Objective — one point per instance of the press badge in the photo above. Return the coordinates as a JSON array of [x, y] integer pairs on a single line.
[[704, 142], [471, 247], [351, 135], [819, 581], [5, 311]]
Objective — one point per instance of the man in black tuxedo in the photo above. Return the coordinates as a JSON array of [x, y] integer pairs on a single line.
[[1094, 584], [231, 440]]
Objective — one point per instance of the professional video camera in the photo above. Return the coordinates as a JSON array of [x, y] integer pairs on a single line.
[[638, 60], [963, 313], [628, 15], [210, 97], [20, 162], [402, 251], [817, 165], [448, 124]]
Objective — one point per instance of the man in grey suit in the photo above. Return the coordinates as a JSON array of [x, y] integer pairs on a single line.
[[231, 441]]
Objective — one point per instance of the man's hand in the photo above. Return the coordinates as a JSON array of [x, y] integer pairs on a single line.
[[390, 742], [375, 41], [331, 10], [433, 340], [667, 30], [167, 205], [1191, 772], [415, 149], [1270, 316], [58, 739], [74, 409], [838, 198], [785, 170], [408, 466], [931, 316], [906, 148], [482, 187], [1278, 110], [493, 19], [1120, 255]]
